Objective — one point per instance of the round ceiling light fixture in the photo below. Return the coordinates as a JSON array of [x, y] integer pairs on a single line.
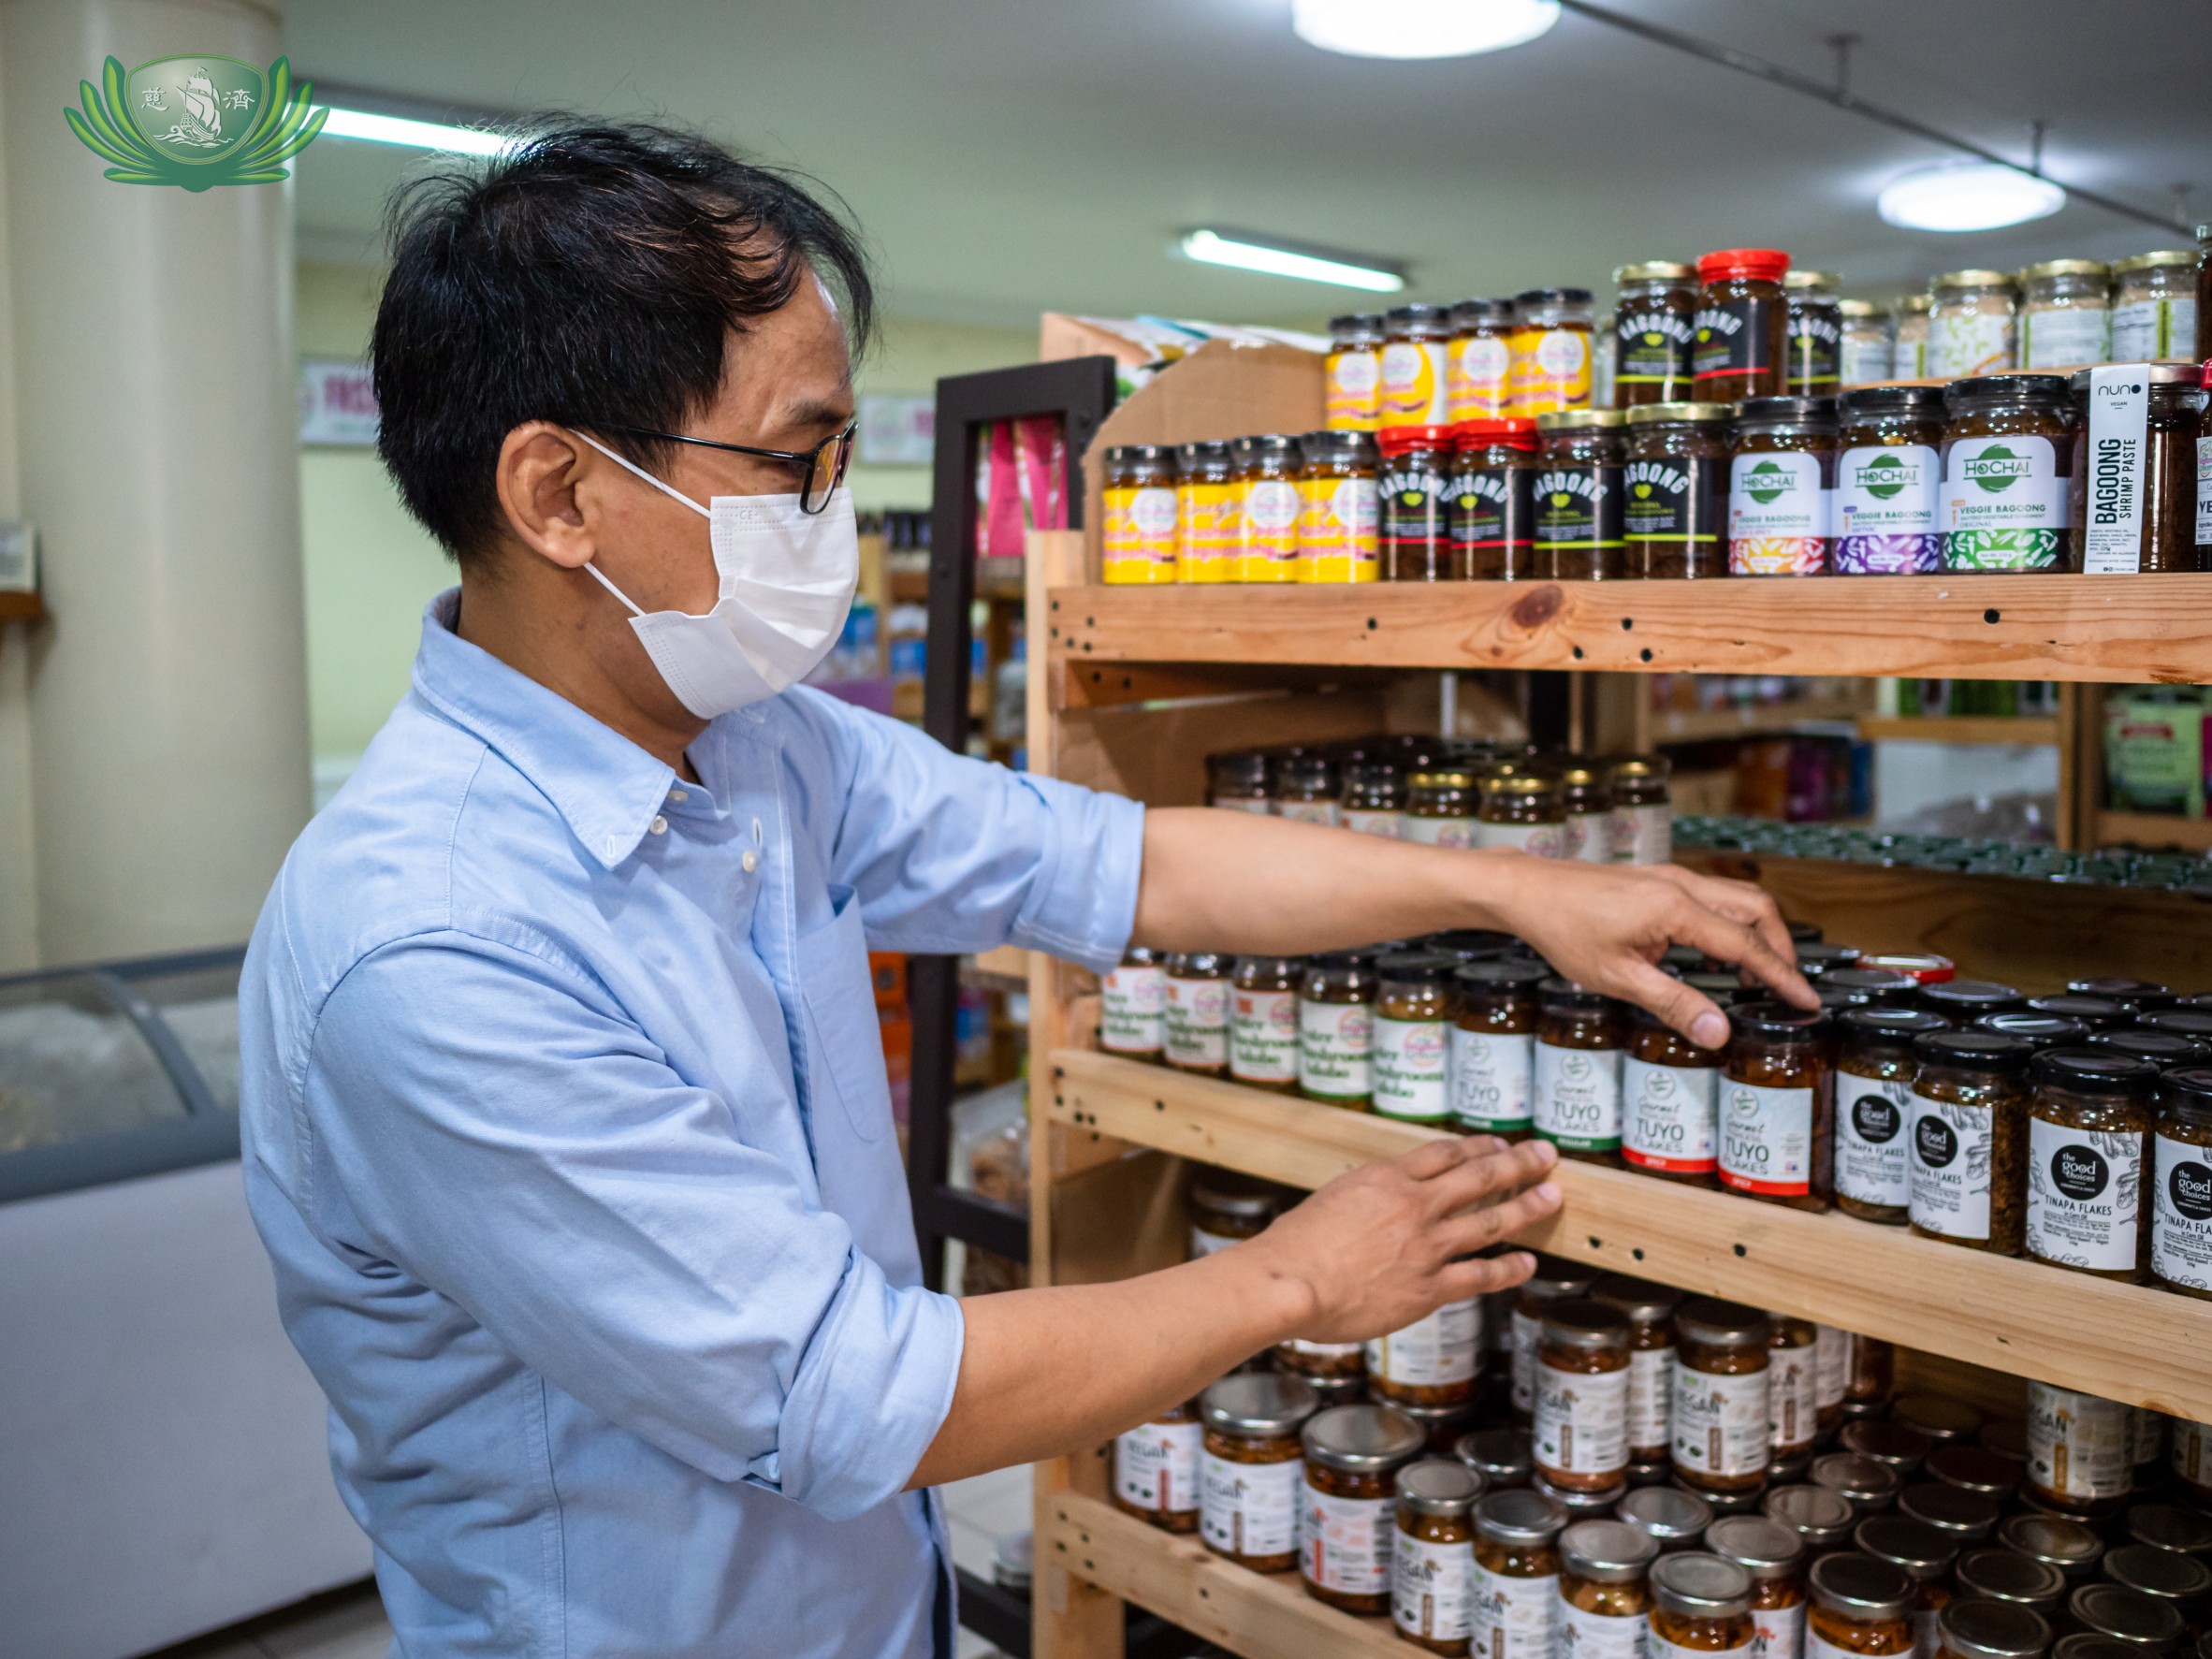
[[1967, 196], [1419, 28]]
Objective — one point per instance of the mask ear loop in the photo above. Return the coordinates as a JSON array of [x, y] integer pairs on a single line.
[[596, 573]]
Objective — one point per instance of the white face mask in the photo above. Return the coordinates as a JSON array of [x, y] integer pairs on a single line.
[[786, 580]]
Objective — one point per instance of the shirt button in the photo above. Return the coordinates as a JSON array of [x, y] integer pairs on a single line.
[[679, 794], [751, 861], [659, 826]]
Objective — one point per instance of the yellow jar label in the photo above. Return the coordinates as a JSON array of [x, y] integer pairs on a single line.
[[1355, 384], [1206, 539], [1269, 513], [1551, 371], [1337, 530], [1478, 386], [1140, 534], [1413, 384]]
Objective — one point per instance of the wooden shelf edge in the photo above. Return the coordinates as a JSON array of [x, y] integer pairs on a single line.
[[1260, 1615], [2123, 1342], [2041, 730], [1703, 725], [2153, 829]]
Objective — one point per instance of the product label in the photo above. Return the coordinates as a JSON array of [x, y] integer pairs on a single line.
[[1874, 1157], [1666, 1117], [1577, 509], [1493, 515], [1950, 1176], [1335, 1046], [1322, 813], [1197, 1026], [1268, 518], [1766, 1139], [1479, 367], [1413, 384], [1416, 514], [1577, 1097], [1676, 501], [2182, 1215], [2003, 504], [1361, 821], [1514, 1618], [2065, 337], [1118, 531], [1538, 840], [1886, 504], [2192, 1451], [1527, 1333], [1156, 1466], [1976, 343], [1410, 1081], [1249, 1509], [2149, 1437], [1600, 1636], [1730, 337], [1927, 1637], [2146, 330], [1437, 832], [1865, 358], [2117, 471], [1337, 529], [1652, 345], [1549, 369], [1264, 1035], [1207, 543], [1588, 838], [2079, 1447], [1345, 1543], [1832, 1365], [1204, 1244], [1492, 1076], [2204, 492], [1793, 1403], [1133, 1012], [1658, 1646], [1581, 1421], [1433, 1589], [1445, 1348], [1781, 1633], [1778, 523], [2085, 1188], [1350, 404], [1815, 342], [1643, 834], [1651, 1399], [1720, 1422]]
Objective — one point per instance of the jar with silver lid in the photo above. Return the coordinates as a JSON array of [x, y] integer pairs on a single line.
[[1674, 1519], [1500, 1456], [1820, 1514], [1580, 1504], [1775, 1557], [1603, 1600], [1965, 1515], [1353, 1454], [2116, 1611], [2004, 1575], [1939, 1418], [1517, 1573], [2088, 1644], [1867, 1485], [1926, 1554], [2181, 1581], [2169, 1526], [1701, 1604], [1973, 1628], [1899, 1445], [1861, 1605], [1976, 1469], [1972, 324], [1249, 1471], [2065, 314], [2067, 1545], [1433, 1564]]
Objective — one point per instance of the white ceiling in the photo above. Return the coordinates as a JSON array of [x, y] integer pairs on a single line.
[[1005, 157]]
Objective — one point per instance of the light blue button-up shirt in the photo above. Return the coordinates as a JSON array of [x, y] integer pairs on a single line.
[[566, 1126]]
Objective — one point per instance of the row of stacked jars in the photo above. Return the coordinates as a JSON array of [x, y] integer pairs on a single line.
[[1978, 475], [2180, 872], [2075, 1128]]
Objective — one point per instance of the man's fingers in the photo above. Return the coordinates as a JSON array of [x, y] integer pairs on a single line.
[[1686, 1008], [1462, 1281], [1754, 907], [1728, 940], [1485, 1179], [1464, 1234], [1432, 1158]]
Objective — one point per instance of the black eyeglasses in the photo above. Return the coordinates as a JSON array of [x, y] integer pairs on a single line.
[[821, 469]]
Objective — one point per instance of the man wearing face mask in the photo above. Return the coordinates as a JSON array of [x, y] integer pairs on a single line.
[[564, 1111]]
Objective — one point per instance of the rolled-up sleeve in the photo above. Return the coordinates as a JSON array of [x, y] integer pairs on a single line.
[[487, 1121]]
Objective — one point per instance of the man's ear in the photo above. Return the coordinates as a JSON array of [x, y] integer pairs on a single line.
[[540, 465]]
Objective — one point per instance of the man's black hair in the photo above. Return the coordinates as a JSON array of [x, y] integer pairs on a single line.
[[589, 276]]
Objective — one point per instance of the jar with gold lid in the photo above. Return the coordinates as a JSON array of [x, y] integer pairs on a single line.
[[1579, 534], [1655, 319], [1973, 324], [1586, 835], [1525, 811], [1440, 807], [1674, 512], [1643, 813], [2065, 314]]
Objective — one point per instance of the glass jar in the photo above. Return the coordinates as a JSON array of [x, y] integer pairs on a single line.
[[1523, 811], [2154, 306], [1226, 1209], [1873, 1369], [1440, 807], [1867, 1485], [1586, 837], [1966, 1000], [2137, 507], [1774, 1556], [1968, 1629], [1375, 797], [1603, 1600], [1701, 1604], [1581, 1419], [1443, 1427], [1721, 1438], [1582, 1036], [1251, 1468], [2088, 1132], [2002, 1576], [1353, 1454], [2008, 468], [1782, 467], [1925, 1555], [1265, 469], [2039, 1030], [1155, 1469], [1336, 1029], [1675, 491], [1832, 1357], [2081, 1452], [2065, 314], [1413, 1016], [1580, 1504], [1815, 345], [1775, 1103], [2181, 1186], [1866, 355], [1499, 1456], [1305, 789], [1337, 508], [1493, 1046], [1137, 531], [1975, 1468], [1873, 1085], [2203, 346], [1967, 1516], [1478, 376], [1649, 1309], [1821, 1515], [1237, 781], [1675, 1520], [1668, 1089], [1553, 1281], [1433, 1562], [1517, 1573], [1134, 1004], [1888, 483], [1908, 344], [1973, 324], [1550, 345], [2067, 1545], [1417, 545], [1741, 345], [2166, 1050], [1263, 1022], [1195, 1030], [2099, 1013], [1968, 1139], [1793, 1404], [1643, 812], [1655, 321], [1207, 540], [1492, 513], [2127, 1615], [1351, 400], [2169, 1527], [1578, 496], [1862, 1605], [1414, 392]]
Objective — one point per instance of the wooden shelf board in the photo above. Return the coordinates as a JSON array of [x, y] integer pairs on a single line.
[[2124, 1342], [2127, 629], [1260, 1615], [18, 607], [1963, 728], [1702, 725], [2153, 829]]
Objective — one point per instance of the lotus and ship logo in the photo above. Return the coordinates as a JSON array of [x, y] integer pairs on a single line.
[[196, 122]]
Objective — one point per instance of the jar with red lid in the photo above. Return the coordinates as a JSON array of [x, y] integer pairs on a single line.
[[1415, 488], [1741, 345], [1493, 499]]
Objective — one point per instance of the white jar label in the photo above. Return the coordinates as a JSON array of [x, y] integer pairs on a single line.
[[1578, 1101], [1321, 812], [1514, 1618], [1198, 1022], [1410, 1080], [1951, 1156], [1766, 1139], [2004, 483], [1135, 999], [1335, 1046], [1493, 1075], [2204, 492], [1976, 343], [1366, 823], [1720, 1422], [1661, 1648], [1588, 838], [1249, 1509], [1438, 832], [1264, 1035], [1538, 840], [1204, 1243], [1887, 491], [2084, 1191], [1581, 1421], [2065, 337], [1781, 1633], [2192, 1451], [2148, 1436], [1345, 1543], [1643, 834], [2079, 1446], [2181, 1214], [1527, 1332], [1866, 360], [1777, 495], [1156, 1466], [1650, 1398], [2146, 330], [1443, 1349], [1831, 1365], [1792, 1396], [1584, 1635], [2116, 471], [1666, 1116], [1873, 1157], [1433, 1589], [1928, 1638]]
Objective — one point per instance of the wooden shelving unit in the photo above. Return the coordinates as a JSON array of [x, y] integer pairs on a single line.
[[18, 607], [1757, 720], [2153, 829]]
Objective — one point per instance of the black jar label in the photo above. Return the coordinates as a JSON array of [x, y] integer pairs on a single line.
[[1654, 347], [1578, 507], [1731, 337], [1815, 352], [1413, 502], [1494, 509], [1675, 499], [2084, 1196]]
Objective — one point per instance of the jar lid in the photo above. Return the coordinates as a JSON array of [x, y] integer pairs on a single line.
[[1972, 1051], [2095, 1072], [2183, 256], [1258, 1404], [1500, 1456], [2167, 1574], [1868, 1484], [1263, 444], [1926, 402], [1435, 1487], [1309, 771], [1416, 967], [1469, 944], [1467, 313], [1655, 271], [1442, 778], [1699, 1585], [1799, 280], [1238, 762], [2166, 1050], [1577, 773], [1815, 956], [1213, 1191], [1641, 766], [1148, 452], [1555, 1278], [1360, 1439], [2194, 1023], [1760, 265], [2125, 990], [1357, 322], [1764, 1546], [1899, 1445], [2090, 1644], [1405, 440], [1975, 1627], [1202, 449], [1606, 1551], [1202, 965], [2067, 1545], [1975, 1468], [1709, 1319], [1571, 420], [1937, 1415], [1519, 1516], [1668, 1513], [1653, 415], [1643, 1302], [1862, 1586], [1569, 997], [1354, 448], [2056, 268], [1858, 308], [1786, 412], [1505, 976], [2042, 1030], [1914, 1545], [2169, 1526], [1516, 783], [1529, 297], [1974, 277], [1440, 1425], [1339, 961], [1516, 429], [1418, 314], [1371, 772], [1585, 1322], [2006, 1575], [1722, 987], [1886, 1030], [1770, 1018], [1950, 1508], [2005, 388], [2115, 1609], [1965, 999], [1913, 303]]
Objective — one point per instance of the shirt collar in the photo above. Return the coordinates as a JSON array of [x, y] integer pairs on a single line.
[[606, 787]]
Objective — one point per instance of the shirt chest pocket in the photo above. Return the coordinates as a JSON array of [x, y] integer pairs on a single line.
[[843, 1031]]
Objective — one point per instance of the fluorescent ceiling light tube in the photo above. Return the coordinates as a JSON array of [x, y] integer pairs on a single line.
[[1216, 247], [419, 135], [1419, 28], [1967, 196]]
